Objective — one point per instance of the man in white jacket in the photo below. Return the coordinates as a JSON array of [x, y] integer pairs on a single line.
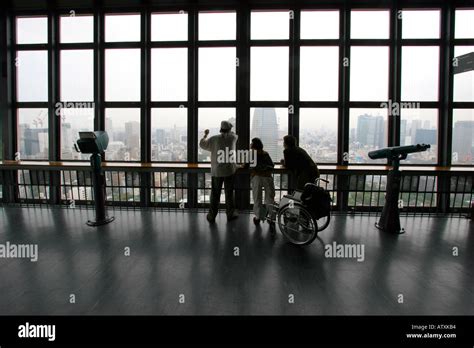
[[222, 171]]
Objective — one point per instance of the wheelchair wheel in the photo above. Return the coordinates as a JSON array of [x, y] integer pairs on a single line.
[[296, 224], [323, 222]]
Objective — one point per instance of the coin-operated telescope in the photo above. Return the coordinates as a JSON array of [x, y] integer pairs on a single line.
[[390, 219], [96, 143]]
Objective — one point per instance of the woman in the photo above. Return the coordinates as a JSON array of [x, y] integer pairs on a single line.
[[261, 177]]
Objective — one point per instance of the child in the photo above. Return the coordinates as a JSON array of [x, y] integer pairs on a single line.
[[261, 177]]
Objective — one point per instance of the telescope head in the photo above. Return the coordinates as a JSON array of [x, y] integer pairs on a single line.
[[398, 152], [93, 142]]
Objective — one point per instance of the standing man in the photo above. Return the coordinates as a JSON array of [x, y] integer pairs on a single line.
[[297, 160], [222, 172]]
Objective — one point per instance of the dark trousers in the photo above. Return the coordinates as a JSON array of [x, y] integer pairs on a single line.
[[217, 182], [301, 178], [304, 178]]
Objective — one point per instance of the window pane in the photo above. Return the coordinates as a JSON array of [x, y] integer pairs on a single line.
[[217, 26], [270, 25], [464, 81], [463, 24], [77, 29], [463, 136], [420, 126], [370, 24], [368, 131], [77, 75], [270, 125], [420, 73], [73, 121], [318, 133], [32, 63], [217, 73], [369, 73], [169, 74], [269, 73], [122, 74], [122, 28], [33, 133], [420, 24], [169, 26], [31, 30], [210, 118], [320, 24], [169, 134], [319, 71], [123, 127]]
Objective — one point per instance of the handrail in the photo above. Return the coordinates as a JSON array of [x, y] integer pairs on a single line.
[[200, 167]]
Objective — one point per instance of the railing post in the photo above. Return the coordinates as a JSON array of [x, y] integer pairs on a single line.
[[442, 197], [342, 188], [9, 186], [242, 190], [192, 182], [54, 187], [145, 187]]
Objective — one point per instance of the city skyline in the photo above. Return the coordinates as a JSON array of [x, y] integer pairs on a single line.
[[169, 144], [217, 81]]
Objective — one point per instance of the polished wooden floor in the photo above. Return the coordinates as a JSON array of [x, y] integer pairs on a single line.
[[178, 257]]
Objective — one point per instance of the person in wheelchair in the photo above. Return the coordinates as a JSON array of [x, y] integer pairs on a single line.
[[299, 162], [261, 178]]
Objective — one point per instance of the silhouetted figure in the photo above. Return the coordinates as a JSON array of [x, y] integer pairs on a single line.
[[223, 170], [299, 162], [261, 178]]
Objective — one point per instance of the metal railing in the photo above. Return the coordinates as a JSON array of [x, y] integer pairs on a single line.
[[354, 189]]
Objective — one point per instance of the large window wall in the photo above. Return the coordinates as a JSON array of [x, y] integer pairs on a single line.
[[343, 80]]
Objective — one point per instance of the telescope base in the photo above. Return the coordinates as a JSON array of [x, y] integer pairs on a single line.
[[100, 222], [400, 231]]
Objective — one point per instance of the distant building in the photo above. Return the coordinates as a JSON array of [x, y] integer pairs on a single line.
[[403, 132], [265, 126], [463, 140], [426, 136], [415, 124], [165, 156], [371, 131], [35, 141], [160, 137], [132, 135]]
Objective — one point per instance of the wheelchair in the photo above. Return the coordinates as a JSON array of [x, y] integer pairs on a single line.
[[299, 217]]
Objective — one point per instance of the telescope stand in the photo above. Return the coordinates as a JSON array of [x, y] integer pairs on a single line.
[[98, 178], [390, 219]]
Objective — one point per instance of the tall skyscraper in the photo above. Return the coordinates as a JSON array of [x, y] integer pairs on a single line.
[[109, 126], [265, 127], [132, 136], [403, 132], [36, 142], [371, 131], [415, 124], [160, 137], [463, 141], [426, 136], [66, 140]]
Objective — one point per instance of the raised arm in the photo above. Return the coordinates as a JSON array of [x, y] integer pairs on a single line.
[[204, 142]]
